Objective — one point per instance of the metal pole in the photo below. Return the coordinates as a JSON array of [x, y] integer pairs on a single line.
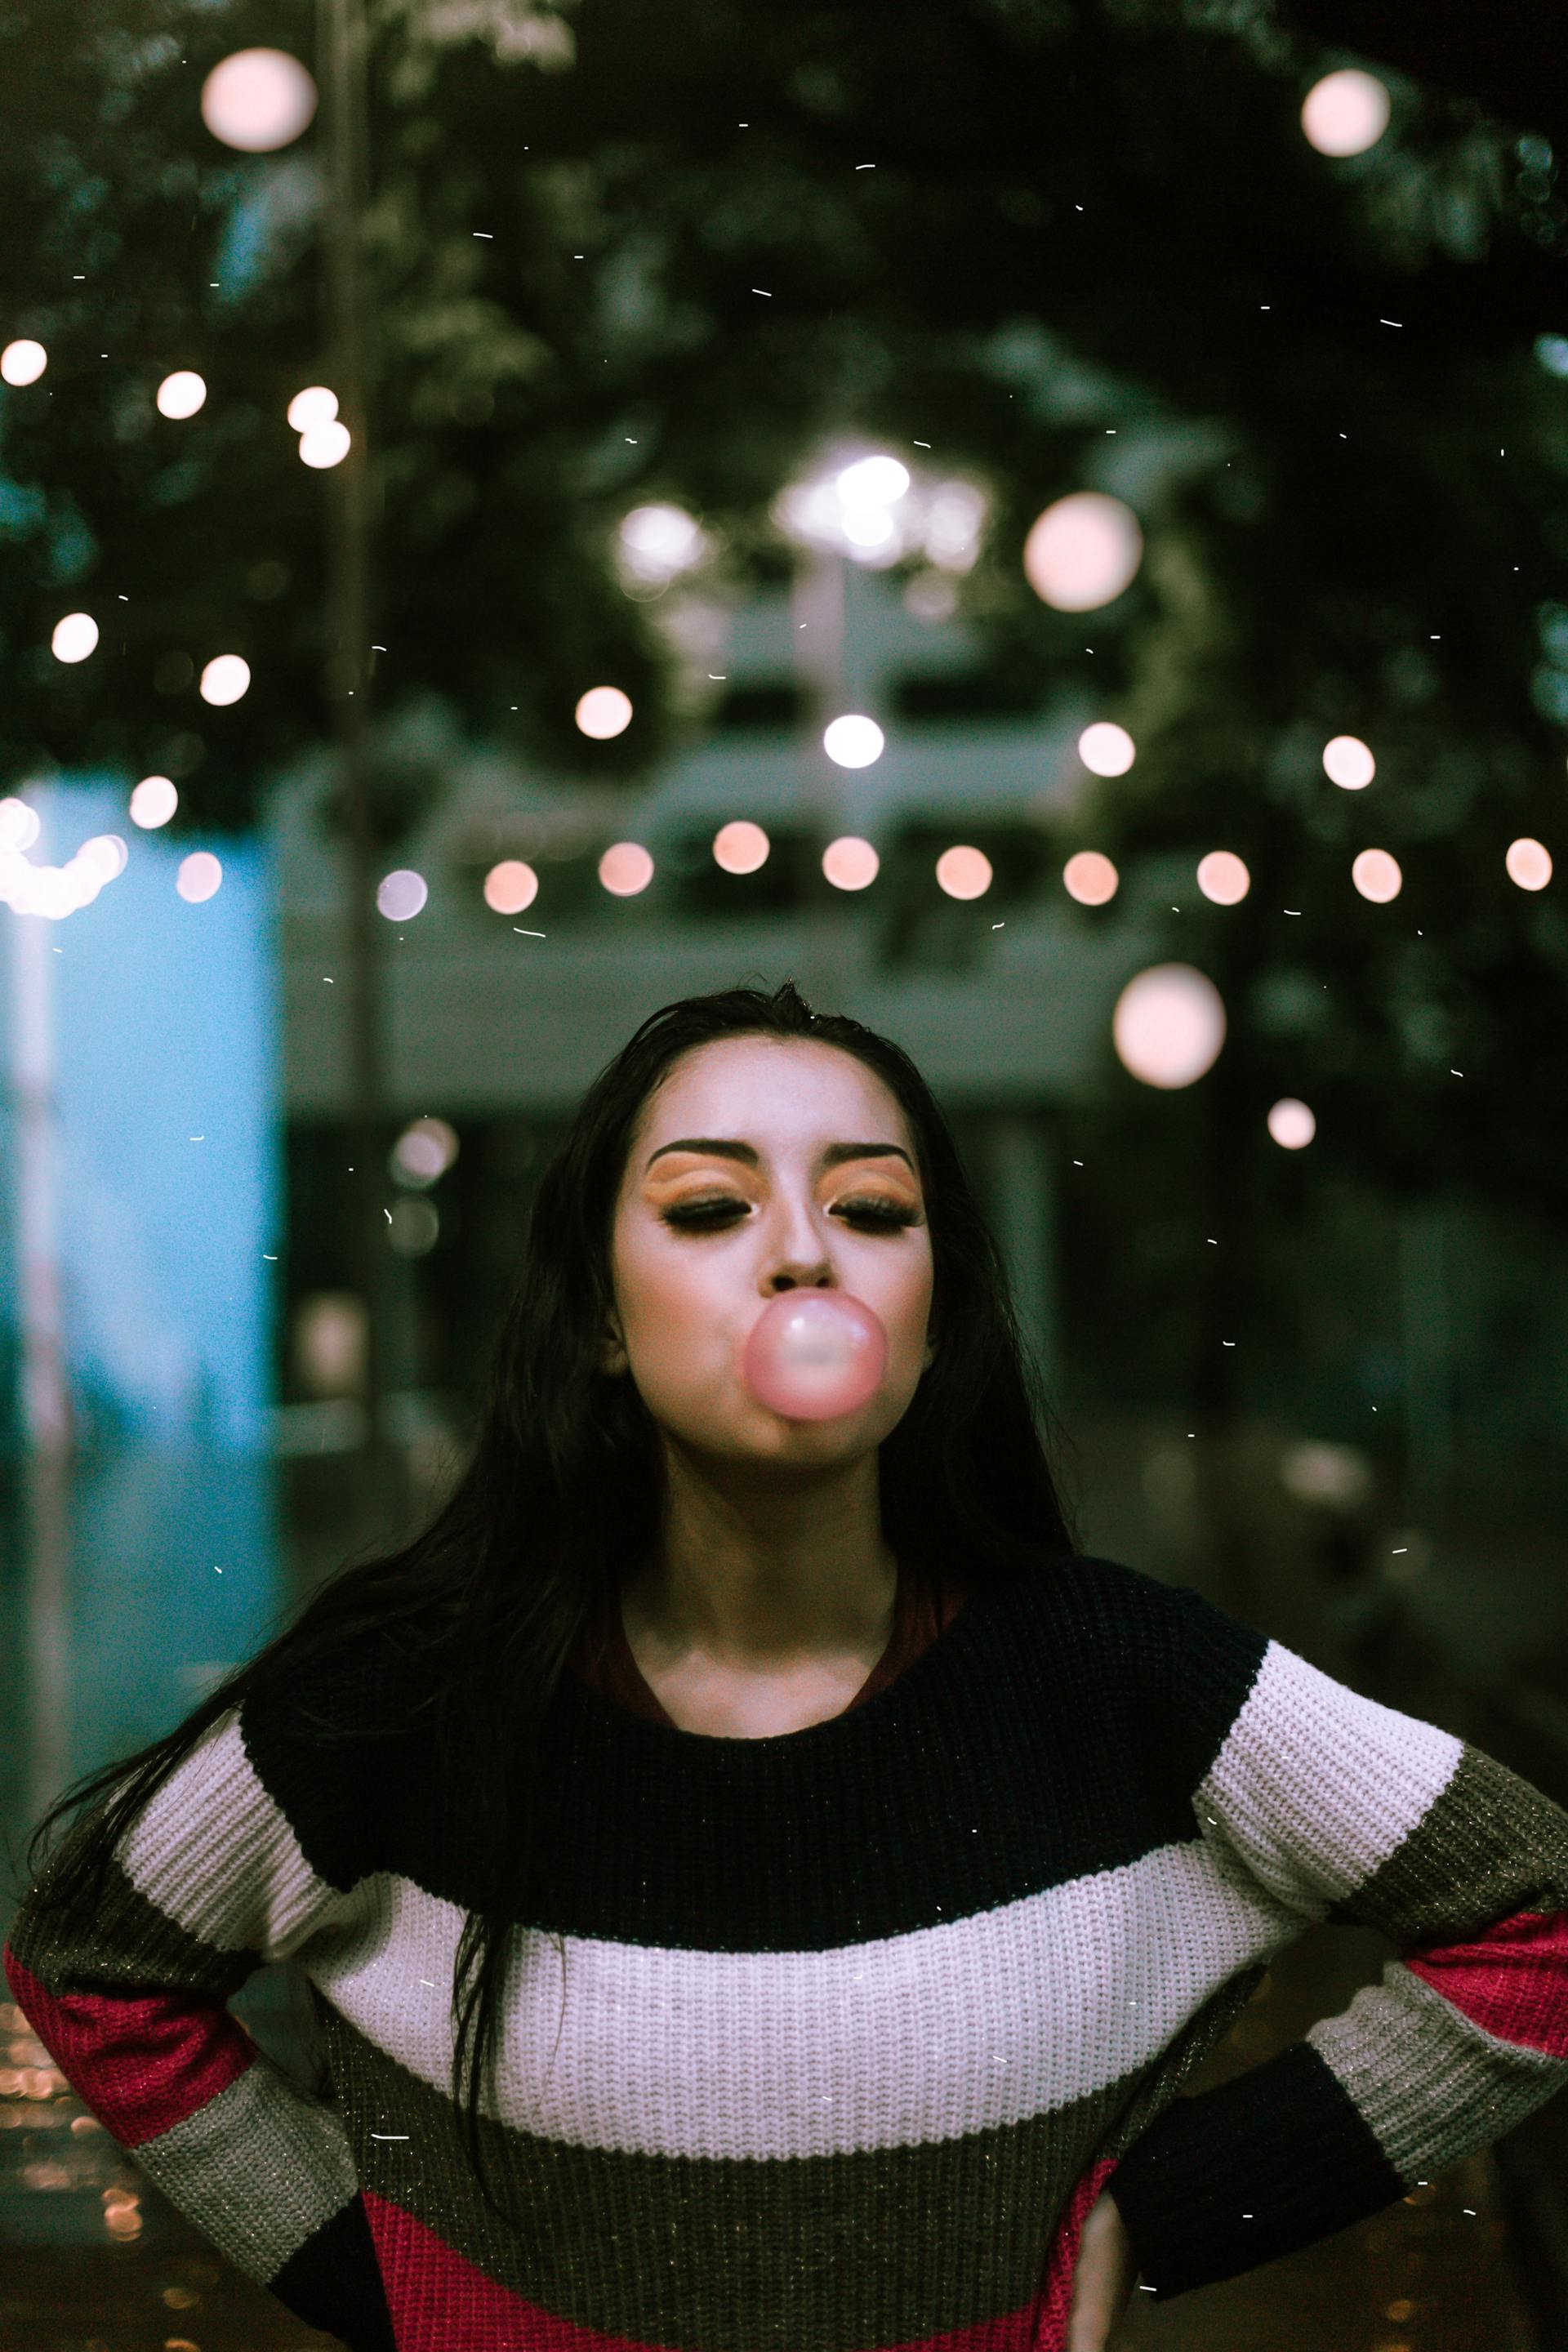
[[817, 628], [45, 1426], [1022, 1185], [342, 35]]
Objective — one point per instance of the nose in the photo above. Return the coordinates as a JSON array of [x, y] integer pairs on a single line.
[[802, 1274]]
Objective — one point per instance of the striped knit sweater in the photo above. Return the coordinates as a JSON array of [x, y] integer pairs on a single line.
[[856, 2022]]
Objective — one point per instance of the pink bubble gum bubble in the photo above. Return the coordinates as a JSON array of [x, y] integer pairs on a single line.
[[813, 1354]]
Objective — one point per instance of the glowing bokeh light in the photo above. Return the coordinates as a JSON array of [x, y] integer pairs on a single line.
[[414, 1227], [1090, 878], [1345, 113], [1223, 877], [954, 520], [510, 886], [1339, 1476], [52, 892], [153, 802], [422, 1152], [1528, 863], [258, 100], [1291, 1124], [868, 526], [330, 1342], [1348, 762], [402, 894], [872, 511], [854, 741], [315, 406], [849, 862], [1083, 551], [104, 855], [659, 540], [872, 482], [1377, 876], [325, 444], [739, 847], [625, 868], [18, 824], [24, 362], [224, 679], [663, 533], [1169, 1025], [602, 712], [963, 872], [74, 637], [1106, 751], [182, 393], [199, 876]]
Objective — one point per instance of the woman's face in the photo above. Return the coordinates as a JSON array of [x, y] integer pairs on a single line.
[[780, 1212]]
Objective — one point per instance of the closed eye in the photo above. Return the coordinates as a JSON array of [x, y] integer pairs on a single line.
[[723, 1208]]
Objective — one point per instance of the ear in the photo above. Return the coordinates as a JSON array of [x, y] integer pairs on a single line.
[[613, 1354]]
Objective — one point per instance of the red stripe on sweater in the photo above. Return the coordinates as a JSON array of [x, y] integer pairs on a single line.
[[440, 2302], [1511, 1982], [143, 2064]]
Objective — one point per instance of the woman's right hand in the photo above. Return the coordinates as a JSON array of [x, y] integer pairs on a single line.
[[1104, 2279]]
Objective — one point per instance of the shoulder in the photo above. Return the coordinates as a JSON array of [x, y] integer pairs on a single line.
[[1156, 1642], [333, 1731], [1100, 1604]]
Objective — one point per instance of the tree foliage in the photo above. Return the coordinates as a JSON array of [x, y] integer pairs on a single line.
[[1083, 222]]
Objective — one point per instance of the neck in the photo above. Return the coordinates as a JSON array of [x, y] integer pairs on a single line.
[[771, 1578]]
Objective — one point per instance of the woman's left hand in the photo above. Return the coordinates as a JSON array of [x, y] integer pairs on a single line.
[[1104, 2280]]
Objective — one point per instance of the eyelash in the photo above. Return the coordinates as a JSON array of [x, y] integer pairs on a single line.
[[698, 1214]]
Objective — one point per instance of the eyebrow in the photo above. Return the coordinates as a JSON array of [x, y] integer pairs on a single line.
[[729, 1147]]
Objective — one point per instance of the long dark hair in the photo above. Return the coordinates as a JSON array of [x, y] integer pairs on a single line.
[[564, 1489]]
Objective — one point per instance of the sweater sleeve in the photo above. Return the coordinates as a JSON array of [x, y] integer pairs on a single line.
[[1314, 1803], [207, 1884]]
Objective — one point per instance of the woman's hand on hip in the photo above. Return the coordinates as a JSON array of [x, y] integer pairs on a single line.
[[1104, 2280]]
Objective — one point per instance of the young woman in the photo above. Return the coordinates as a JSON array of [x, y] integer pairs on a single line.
[[910, 1860]]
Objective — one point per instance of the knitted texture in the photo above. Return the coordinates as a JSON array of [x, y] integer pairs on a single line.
[[856, 2021]]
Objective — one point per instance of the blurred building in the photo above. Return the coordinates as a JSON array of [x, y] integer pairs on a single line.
[[498, 1021]]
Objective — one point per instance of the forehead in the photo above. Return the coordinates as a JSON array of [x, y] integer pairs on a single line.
[[761, 1087]]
